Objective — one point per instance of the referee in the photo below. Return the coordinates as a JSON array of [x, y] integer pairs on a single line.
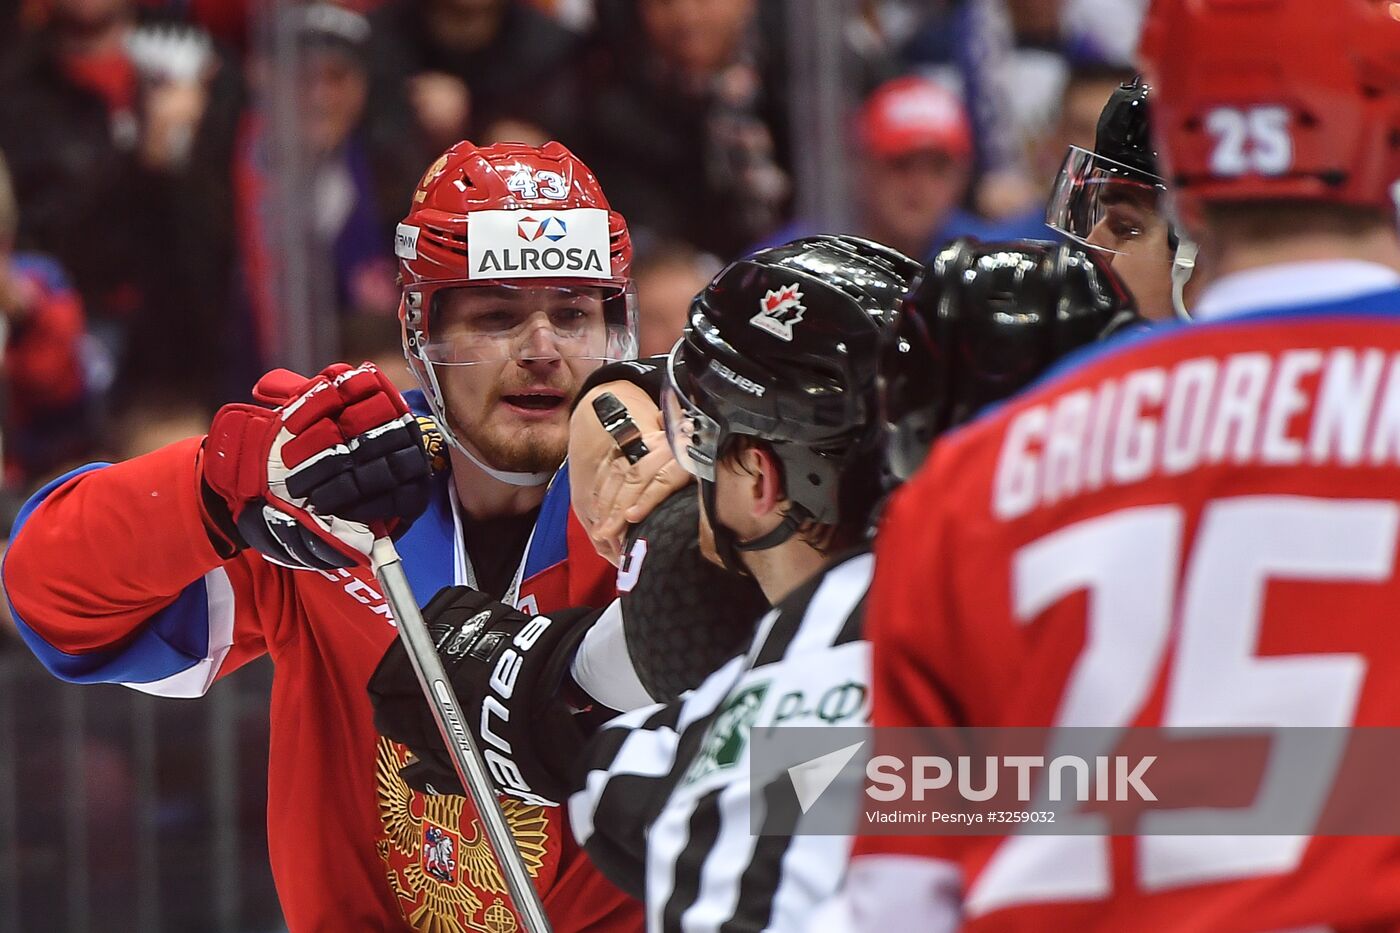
[[770, 402]]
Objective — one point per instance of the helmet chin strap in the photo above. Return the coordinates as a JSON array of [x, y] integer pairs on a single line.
[[435, 400], [784, 530], [1183, 265], [727, 544], [504, 476]]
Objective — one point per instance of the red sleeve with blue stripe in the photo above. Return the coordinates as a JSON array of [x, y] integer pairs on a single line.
[[111, 578]]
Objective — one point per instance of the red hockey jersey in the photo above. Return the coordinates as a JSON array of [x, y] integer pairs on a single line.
[[112, 579], [1195, 527]]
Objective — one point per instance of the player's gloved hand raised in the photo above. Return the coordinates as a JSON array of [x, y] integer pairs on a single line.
[[303, 482], [506, 669]]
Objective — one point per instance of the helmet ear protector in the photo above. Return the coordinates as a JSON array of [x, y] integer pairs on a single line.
[[781, 347]]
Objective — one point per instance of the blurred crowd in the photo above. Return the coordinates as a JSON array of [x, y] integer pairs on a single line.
[[145, 238], [150, 150]]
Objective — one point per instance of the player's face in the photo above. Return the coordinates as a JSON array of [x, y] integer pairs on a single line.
[[728, 506], [512, 404], [748, 497], [1139, 240]]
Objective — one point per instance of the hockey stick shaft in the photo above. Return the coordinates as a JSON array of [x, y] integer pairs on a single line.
[[466, 757]]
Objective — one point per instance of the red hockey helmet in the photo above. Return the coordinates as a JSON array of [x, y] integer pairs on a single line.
[[512, 217], [1276, 99]]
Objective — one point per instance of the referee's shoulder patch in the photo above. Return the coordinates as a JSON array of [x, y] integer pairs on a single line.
[[728, 735]]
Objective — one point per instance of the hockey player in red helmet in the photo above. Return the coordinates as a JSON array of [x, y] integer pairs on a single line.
[[515, 287], [1198, 527], [171, 570]]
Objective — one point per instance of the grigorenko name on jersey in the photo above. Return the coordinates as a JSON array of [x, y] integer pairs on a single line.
[[1339, 406]]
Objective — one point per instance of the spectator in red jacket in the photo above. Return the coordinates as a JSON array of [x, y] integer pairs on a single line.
[[47, 379]]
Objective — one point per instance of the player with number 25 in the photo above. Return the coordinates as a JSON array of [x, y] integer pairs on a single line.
[[1194, 528]]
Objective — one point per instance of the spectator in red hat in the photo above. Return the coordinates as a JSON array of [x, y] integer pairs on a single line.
[[915, 145]]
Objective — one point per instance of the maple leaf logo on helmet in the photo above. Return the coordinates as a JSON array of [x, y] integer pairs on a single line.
[[779, 310]]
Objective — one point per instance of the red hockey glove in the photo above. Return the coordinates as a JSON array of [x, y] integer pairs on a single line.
[[304, 482]]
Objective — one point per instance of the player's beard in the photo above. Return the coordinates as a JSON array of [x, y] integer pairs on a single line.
[[502, 442], [537, 449]]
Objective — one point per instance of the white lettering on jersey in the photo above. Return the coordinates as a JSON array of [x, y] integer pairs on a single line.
[[1237, 410], [1286, 399], [1135, 439], [1188, 404], [1337, 407], [1018, 468], [631, 570], [1064, 452], [360, 591], [1347, 395], [1215, 674]]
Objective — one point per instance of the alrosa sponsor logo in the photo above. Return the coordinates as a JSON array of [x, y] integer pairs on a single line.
[[534, 244], [531, 229], [549, 259]]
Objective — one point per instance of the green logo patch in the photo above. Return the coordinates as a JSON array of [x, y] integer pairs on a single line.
[[728, 735]]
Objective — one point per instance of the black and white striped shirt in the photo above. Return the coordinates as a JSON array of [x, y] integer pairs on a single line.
[[664, 810]]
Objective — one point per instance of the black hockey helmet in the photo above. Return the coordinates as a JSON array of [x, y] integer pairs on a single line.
[[1100, 196], [782, 346], [1122, 165], [1124, 132], [983, 321]]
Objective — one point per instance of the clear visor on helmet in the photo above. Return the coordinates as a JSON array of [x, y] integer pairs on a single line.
[[470, 324], [1104, 204], [692, 434]]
